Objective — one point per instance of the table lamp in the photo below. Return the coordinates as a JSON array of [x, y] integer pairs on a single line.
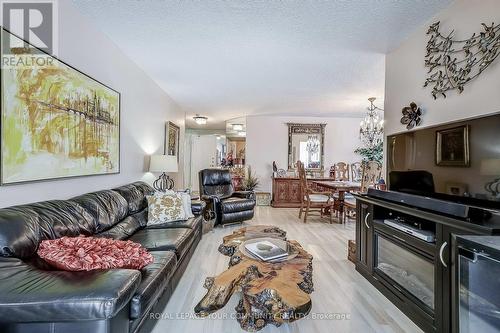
[[491, 167], [163, 164]]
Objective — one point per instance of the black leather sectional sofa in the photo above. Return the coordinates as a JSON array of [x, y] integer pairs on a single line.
[[36, 298]]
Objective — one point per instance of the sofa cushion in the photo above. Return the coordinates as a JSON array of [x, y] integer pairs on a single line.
[[28, 294], [58, 218], [142, 217], [192, 223], [172, 239], [23, 227], [135, 194], [233, 204], [318, 198], [154, 280], [106, 207], [19, 232], [237, 216], [123, 229]]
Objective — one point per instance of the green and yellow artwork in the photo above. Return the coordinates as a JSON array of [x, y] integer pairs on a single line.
[[56, 122]]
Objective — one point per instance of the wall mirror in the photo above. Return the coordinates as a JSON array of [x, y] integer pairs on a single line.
[[305, 143]]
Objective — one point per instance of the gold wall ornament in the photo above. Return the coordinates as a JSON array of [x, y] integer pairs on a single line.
[[454, 63]]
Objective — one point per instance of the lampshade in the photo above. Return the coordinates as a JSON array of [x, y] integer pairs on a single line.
[[163, 163], [490, 167]]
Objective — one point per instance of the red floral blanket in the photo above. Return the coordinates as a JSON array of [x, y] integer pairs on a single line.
[[89, 253]]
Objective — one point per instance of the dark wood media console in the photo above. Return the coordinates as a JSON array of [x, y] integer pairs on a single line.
[[419, 277]]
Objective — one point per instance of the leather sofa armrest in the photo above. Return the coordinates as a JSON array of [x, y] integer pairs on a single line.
[[209, 198], [244, 194], [197, 207], [29, 294]]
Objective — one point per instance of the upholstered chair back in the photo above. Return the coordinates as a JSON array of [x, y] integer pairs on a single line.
[[216, 182]]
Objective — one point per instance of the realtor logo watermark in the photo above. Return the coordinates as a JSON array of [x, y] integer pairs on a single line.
[[30, 32]]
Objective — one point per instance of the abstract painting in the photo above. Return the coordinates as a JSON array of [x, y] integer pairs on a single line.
[[56, 122], [172, 132]]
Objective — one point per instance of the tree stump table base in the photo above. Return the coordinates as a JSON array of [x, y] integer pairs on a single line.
[[271, 293]]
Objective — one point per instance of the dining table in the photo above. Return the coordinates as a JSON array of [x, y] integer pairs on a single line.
[[340, 187]]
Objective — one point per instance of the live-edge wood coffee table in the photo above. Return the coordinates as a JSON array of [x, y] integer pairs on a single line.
[[271, 293]]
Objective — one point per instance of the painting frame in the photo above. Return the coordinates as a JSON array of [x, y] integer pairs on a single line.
[[450, 142], [306, 129], [172, 137], [3, 181]]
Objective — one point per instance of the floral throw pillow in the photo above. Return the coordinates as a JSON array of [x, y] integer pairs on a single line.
[[165, 207], [186, 201], [90, 253]]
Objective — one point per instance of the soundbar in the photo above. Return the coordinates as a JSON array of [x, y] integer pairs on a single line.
[[427, 203]]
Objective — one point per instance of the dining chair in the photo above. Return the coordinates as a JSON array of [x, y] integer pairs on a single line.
[[310, 199], [340, 171], [356, 171], [371, 173]]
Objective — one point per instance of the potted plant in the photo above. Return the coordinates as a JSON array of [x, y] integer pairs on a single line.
[[251, 181], [375, 153]]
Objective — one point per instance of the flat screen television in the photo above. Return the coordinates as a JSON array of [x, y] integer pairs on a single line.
[[458, 161]]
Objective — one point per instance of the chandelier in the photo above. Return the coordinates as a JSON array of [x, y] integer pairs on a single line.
[[312, 144], [371, 129]]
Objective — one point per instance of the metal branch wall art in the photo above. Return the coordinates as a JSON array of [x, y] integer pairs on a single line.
[[454, 63], [411, 116]]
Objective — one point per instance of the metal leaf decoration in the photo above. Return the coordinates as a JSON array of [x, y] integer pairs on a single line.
[[454, 63], [411, 116]]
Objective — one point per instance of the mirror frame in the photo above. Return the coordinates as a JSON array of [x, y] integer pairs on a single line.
[[297, 128]]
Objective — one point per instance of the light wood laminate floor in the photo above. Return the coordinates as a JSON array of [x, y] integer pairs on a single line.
[[339, 289]]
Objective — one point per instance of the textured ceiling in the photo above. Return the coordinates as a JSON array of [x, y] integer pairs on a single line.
[[225, 59]]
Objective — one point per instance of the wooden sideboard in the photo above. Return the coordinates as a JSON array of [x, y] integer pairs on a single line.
[[286, 191]]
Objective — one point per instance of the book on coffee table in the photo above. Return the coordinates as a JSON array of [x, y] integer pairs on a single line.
[[265, 250]]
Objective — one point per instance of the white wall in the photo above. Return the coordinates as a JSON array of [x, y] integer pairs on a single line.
[[144, 110], [190, 181], [203, 156], [406, 73], [267, 141]]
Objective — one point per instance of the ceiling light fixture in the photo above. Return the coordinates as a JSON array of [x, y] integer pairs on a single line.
[[237, 127], [371, 129], [200, 120]]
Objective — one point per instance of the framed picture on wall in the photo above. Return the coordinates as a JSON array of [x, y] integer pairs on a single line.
[[452, 147], [56, 122], [172, 135]]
